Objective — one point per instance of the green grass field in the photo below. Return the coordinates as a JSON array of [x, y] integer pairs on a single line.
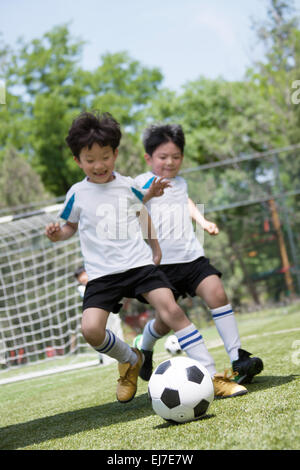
[[78, 409]]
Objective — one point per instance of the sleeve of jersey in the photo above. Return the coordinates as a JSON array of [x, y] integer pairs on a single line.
[[137, 191], [185, 186], [143, 183], [69, 211]]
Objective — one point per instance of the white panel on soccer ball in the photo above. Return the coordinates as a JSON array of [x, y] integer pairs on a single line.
[[190, 393], [174, 376], [162, 410], [182, 414], [157, 385]]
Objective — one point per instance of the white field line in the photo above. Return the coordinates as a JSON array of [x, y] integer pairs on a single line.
[[210, 345], [216, 343], [33, 375]]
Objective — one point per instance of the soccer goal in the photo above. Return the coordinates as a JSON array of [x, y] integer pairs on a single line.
[[40, 306]]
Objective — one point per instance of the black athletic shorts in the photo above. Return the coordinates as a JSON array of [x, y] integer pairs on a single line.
[[185, 277], [106, 292]]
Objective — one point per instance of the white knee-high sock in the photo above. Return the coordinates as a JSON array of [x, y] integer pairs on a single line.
[[227, 328], [192, 343], [150, 336], [116, 348]]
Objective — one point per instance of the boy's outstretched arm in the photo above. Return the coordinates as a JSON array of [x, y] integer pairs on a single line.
[[55, 232], [156, 189], [149, 234], [196, 215]]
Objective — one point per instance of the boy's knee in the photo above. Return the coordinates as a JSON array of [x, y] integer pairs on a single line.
[[221, 296], [174, 313], [93, 335]]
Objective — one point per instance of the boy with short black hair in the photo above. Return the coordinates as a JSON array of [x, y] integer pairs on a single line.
[[183, 259], [118, 261]]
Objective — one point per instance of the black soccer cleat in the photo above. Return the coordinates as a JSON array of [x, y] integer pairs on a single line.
[[147, 367], [246, 367]]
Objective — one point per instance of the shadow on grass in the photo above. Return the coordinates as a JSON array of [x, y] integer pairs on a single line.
[[72, 422], [167, 424], [262, 382], [64, 424]]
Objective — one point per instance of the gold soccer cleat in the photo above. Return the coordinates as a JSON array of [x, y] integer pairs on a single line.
[[225, 387], [127, 383]]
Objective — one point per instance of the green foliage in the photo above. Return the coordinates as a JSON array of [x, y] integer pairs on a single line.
[[123, 86], [275, 75], [54, 89], [47, 88], [19, 184]]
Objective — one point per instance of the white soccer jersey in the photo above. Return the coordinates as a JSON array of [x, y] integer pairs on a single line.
[[110, 235], [173, 224]]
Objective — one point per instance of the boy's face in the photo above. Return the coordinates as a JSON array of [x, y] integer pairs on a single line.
[[97, 163], [166, 160]]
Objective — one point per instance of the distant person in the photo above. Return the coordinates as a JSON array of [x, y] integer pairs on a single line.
[[82, 279], [183, 260]]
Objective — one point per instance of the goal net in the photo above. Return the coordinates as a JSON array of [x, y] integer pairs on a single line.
[[40, 304]]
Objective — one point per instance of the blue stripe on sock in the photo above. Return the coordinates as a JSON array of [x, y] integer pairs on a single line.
[[151, 331], [228, 312], [114, 340], [195, 340], [109, 344], [188, 336]]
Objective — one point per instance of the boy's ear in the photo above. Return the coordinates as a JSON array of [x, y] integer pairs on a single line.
[[148, 158], [77, 161], [116, 153]]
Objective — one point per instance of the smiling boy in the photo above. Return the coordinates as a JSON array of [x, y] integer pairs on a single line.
[[183, 259], [118, 261]]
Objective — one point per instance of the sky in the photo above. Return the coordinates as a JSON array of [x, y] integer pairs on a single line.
[[185, 39]]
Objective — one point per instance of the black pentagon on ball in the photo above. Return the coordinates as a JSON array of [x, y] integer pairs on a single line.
[[161, 369], [170, 398], [201, 408], [194, 374]]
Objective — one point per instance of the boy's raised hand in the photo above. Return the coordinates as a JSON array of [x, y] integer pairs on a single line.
[[53, 231], [158, 186], [210, 227], [156, 189]]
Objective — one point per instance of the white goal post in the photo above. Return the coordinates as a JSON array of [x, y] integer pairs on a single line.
[[40, 306]]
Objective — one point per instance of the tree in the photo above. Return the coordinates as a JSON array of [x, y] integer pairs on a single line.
[[54, 89], [19, 183], [275, 75]]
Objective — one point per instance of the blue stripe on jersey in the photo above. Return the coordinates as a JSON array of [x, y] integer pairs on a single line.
[[149, 182], [138, 194], [228, 312], [68, 208]]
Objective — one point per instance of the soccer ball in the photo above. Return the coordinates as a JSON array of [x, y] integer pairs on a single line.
[[172, 345], [180, 390], [137, 341]]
